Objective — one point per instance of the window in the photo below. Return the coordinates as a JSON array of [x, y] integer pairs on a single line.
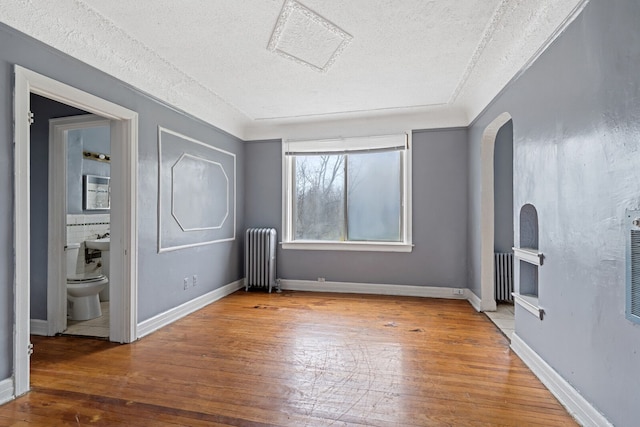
[[348, 194]]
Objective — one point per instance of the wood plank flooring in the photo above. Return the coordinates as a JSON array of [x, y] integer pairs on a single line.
[[292, 359]]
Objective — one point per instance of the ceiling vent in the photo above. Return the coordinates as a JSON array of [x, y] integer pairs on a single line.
[[307, 38]]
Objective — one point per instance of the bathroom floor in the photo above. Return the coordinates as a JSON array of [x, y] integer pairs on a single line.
[[504, 318], [98, 327]]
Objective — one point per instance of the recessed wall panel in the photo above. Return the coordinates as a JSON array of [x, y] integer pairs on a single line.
[[197, 197]]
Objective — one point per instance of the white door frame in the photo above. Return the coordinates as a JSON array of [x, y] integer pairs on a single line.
[[124, 150], [56, 258], [487, 212]]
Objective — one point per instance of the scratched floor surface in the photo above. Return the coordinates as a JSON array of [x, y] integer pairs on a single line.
[[292, 359]]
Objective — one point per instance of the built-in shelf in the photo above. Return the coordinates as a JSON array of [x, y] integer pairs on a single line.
[[529, 255], [529, 303]]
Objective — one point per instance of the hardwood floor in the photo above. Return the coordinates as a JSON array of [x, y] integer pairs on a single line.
[[293, 359]]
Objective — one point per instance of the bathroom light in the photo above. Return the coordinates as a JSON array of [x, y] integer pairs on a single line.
[[100, 157]]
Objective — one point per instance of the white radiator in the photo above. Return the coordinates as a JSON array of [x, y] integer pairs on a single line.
[[503, 278], [260, 258]]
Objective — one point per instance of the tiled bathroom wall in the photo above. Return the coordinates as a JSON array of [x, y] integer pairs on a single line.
[[86, 227]]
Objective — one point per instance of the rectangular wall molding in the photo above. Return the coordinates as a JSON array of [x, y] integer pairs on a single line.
[[569, 397], [163, 319], [196, 192], [6, 390]]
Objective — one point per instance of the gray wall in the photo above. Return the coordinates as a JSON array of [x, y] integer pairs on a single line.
[[160, 275], [576, 130], [439, 218], [503, 189]]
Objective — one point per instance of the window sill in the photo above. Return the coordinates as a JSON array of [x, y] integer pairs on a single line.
[[529, 303], [348, 246], [529, 255]]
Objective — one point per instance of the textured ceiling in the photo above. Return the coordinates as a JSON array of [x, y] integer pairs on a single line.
[[273, 68]]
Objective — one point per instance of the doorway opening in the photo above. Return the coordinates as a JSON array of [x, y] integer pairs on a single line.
[[497, 224], [489, 203], [79, 232], [123, 124]]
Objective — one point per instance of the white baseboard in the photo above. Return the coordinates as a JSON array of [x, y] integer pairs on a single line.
[[372, 288], [39, 327], [151, 325], [6, 390], [474, 300], [568, 396]]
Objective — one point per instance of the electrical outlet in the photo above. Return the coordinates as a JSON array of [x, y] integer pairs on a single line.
[[195, 279], [321, 279], [458, 291], [186, 283]]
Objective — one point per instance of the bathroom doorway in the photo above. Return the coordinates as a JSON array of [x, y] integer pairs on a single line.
[[123, 214], [79, 147]]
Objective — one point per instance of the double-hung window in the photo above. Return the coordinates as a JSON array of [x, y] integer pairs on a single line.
[[348, 194]]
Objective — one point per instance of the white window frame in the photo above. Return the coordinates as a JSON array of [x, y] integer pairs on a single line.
[[341, 145]]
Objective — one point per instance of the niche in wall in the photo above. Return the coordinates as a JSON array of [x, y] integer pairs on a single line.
[[529, 260], [197, 192], [528, 240], [528, 227]]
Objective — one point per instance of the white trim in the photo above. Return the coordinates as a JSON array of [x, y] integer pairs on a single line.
[[6, 391], [124, 146], [341, 145], [372, 288], [22, 234], [347, 246], [163, 319], [532, 256], [487, 211], [581, 409], [473, 299], [529, 303], [123, 268], [39, 327], [56, 265]]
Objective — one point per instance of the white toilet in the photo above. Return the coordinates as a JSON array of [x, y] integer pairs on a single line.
[[83, 302]]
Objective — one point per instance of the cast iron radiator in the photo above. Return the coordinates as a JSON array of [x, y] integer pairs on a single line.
[[503, 278], [260, 258]]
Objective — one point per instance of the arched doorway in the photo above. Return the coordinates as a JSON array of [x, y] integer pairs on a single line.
[[489, 203]]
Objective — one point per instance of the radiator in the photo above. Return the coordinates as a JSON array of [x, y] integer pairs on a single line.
[[260, 258], [503, 278]]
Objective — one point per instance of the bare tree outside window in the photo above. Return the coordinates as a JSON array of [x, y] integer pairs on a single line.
[[373, 197], [319, 201]]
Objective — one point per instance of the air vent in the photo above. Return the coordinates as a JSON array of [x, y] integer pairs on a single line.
[[633, 267], [307, 38]]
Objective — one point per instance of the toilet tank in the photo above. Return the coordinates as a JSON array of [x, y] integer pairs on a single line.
[[72, 251]]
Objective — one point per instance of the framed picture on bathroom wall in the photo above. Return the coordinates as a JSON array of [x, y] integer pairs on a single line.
[[97, 193]]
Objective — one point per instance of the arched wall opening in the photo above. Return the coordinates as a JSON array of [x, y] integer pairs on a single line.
[[488, 205]]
